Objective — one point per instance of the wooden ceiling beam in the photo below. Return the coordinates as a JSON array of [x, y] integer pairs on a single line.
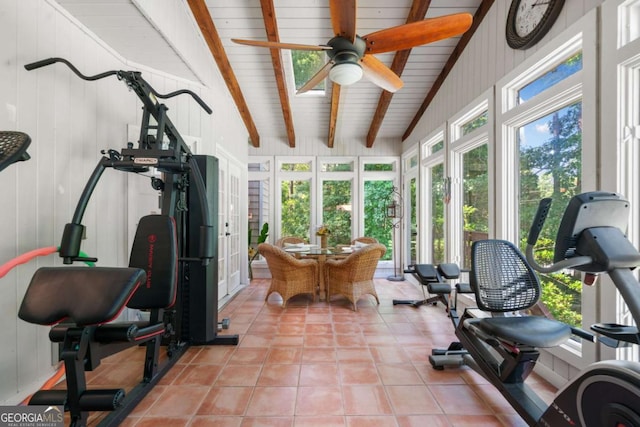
[[210, 34], [271, 27], [481, 12], [418, 11], [333, 116]]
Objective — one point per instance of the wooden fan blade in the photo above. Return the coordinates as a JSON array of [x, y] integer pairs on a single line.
[[316, 79], [278, 45], [417, 33], [343, 18], [379, 74]]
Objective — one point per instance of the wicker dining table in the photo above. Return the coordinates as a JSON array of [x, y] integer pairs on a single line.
[[320, 255]]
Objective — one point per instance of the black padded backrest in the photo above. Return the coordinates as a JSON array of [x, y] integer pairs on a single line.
[[427, 273], [82, 295], [155, 250], [501, 277], [449, 270]]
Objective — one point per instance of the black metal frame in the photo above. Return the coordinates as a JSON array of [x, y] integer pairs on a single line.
[[160, 145]]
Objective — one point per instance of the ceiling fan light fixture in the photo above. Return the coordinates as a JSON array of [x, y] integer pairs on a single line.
[[346, 73]]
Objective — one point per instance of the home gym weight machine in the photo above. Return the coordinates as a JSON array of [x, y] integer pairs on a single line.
[[503, 349], [172, 272]]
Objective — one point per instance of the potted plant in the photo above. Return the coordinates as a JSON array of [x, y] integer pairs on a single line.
[[253, 252]]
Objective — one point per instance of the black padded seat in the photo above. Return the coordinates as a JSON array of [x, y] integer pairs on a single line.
[[82, 295], [532, 331]]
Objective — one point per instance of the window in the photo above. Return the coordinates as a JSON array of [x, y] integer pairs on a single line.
[[336, 167], [550, 166], [295, 202], [469, 219], [475, 199], [336, 210], [376, 223], [475, 123], [547, 143], [259, 195], [306, 63], [552, 77], [379, 177], [433, 195], [410, 195], [298, 194], [439, 190]]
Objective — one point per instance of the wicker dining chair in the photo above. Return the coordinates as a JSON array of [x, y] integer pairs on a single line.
[[290, 276], [288, 239], [352, 276], [365, 240]]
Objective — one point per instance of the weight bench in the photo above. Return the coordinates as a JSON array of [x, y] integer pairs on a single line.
[[82, 302], [433, 278], [430, 277]]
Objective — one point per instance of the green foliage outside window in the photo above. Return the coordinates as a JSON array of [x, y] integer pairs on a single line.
[[336, 197], [296, 208], [376, 194], [306, 63], [553, 169]]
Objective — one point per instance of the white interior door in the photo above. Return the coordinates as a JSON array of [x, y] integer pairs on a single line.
[[233, 230], [228, 226], [223, 228]]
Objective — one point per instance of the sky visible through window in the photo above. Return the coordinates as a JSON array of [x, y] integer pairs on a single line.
[[537, 132], [551, 78]]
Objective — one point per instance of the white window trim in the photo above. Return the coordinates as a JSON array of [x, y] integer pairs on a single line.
[[620, 151], [409, 173], [281, 176], [458, 146]]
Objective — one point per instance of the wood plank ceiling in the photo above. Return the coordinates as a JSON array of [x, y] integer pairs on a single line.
[[261, 80], [358, 112]]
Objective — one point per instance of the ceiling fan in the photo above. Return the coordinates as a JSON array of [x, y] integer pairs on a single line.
[[351, 56]]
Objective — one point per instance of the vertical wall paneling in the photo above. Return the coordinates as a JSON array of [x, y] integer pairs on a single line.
[[8, 178], [70, 121]]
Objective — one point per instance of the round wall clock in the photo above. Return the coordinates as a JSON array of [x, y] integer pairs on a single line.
[[529, 20]]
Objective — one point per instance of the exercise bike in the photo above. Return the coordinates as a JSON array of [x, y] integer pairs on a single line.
[[503, 347]]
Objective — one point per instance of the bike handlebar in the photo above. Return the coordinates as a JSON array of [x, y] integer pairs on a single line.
[[538, 220], [131, 77], [534, 233]]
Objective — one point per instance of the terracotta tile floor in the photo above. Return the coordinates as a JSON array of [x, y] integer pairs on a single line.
[[318, 364]]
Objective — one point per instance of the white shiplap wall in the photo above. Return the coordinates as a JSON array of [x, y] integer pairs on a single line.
[[70, 121]]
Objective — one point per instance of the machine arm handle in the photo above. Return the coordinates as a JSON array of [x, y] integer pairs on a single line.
[[199, 100], [538, 220], [534, 233], [130, 77], [49, 61]]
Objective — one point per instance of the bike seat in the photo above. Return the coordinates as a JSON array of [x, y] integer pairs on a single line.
[[532, 331]]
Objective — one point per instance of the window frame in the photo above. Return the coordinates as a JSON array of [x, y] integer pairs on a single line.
[[428, 161], [409, 173], [582, 35], [621, 123], [459, 145], [323, 176]]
